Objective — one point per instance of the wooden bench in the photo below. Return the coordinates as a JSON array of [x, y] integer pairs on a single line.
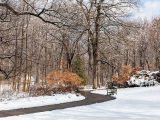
[[111, 89]]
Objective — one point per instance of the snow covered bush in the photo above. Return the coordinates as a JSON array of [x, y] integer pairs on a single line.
[[143, 78], [134, 77], [156, 75], [140, 81]]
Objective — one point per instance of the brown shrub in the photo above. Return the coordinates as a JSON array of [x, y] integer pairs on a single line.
[[63, 78], [127, 72], [57, 82]]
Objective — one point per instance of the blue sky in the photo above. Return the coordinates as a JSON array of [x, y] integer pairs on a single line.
[[148, 9]]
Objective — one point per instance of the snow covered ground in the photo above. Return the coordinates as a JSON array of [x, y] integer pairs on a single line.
[[131, 104], [39, 101]]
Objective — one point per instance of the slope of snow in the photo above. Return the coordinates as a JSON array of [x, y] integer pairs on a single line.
[[131, 104], [39, 101]]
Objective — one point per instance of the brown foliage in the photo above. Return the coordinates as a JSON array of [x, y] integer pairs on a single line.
[[63, 78], [58, 82], [127, 72]]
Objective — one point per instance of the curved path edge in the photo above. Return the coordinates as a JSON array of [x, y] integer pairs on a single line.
[[91, 98]]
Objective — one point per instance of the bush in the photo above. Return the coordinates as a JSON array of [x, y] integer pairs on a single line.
[[39, 90], [63, 78], [127, 72], [57, 82], [79, 68]]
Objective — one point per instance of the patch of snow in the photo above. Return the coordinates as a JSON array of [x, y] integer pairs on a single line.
[[4, 87], [131, 104], [141, 81], [8, 94], [90, 88], [154, 72], [143, 78], [39, 101]]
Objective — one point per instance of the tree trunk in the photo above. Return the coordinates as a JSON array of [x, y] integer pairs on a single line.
[[95, 46]]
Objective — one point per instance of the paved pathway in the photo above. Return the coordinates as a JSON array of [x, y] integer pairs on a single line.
[[90, 99]]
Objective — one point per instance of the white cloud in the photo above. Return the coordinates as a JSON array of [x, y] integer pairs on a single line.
[[148, 10]]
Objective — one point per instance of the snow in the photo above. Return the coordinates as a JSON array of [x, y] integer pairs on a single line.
[[7, 95], [143, 78], [4, 87], [131, 104], [39, 101], [141, 81], [154, 72], [90, 88]]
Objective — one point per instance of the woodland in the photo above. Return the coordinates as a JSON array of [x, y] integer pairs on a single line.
[[61, 44]]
